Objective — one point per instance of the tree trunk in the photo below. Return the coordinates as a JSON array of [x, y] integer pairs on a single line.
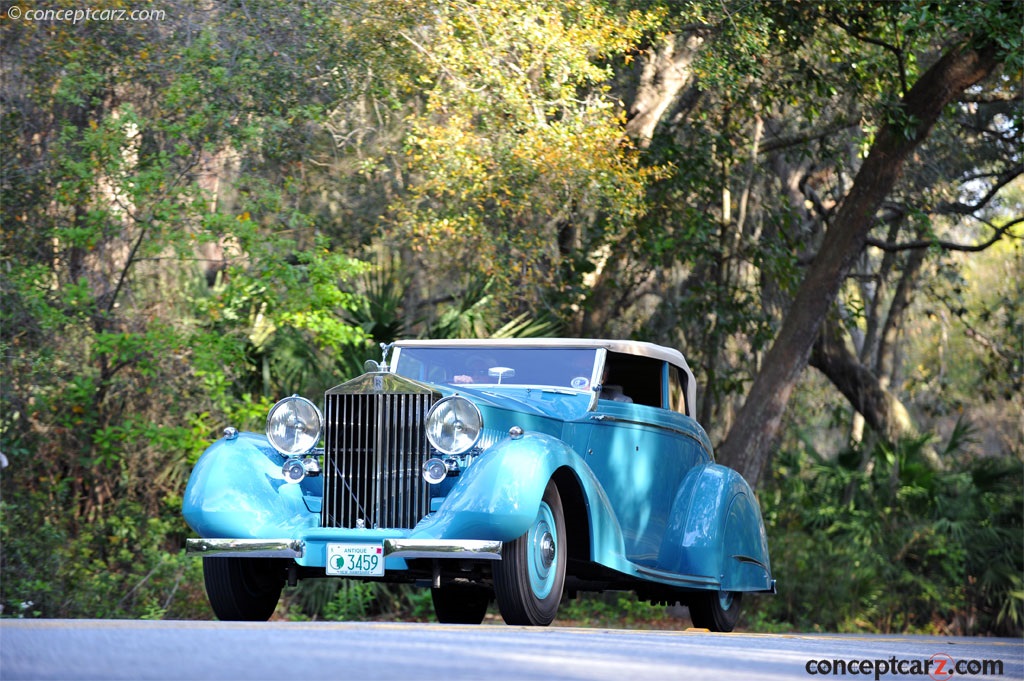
[[666, 71], [883, 412], [864, 380], [885, 358], [747, 447]]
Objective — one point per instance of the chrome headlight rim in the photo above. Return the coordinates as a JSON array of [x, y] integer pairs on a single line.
[[312, 427], [468, 425]]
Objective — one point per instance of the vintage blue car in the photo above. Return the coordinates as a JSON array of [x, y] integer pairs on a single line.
[[520, 471]]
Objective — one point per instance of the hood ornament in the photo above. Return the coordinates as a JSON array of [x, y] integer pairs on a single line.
[[372, 366]]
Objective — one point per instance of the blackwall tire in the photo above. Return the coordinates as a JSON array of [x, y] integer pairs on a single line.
[[244, 589], [529, 578], [716, 610]]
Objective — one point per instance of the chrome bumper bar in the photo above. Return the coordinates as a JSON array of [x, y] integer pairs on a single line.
[[295, 548], [251, 548], [441, 548]]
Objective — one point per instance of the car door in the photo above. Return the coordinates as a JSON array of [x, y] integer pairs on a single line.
[[640, 453]]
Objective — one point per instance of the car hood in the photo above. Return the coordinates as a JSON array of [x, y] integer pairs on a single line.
[[552, 403]]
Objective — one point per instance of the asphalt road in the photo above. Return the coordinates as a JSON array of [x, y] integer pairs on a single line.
[[111, 650]]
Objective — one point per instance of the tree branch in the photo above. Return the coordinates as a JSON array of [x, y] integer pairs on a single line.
[[781, 143], [1002, 180], [993, 98], [882, 411], [998, 234]]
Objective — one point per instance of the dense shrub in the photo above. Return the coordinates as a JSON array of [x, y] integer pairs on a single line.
[[878, 540]]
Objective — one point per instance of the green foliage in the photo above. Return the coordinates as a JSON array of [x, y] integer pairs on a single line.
[[117, 567], [980, 301], [120, 361], [518, 156], [475, 312], [613, 610], [350, 600], [880, 541], [183, 202]]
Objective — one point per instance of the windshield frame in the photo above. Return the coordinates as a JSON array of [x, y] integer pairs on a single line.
[[557, 368]]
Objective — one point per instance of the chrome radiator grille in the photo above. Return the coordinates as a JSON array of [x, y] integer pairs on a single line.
[[374, 448]]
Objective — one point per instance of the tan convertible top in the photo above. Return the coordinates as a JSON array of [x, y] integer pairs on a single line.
[[627, 347]]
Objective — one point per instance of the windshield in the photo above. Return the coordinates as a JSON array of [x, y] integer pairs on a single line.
[[571, 368]]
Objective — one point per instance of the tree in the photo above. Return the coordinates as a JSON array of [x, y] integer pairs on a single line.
[[964, 64], [125, 348], [186, 203], [517, 168]]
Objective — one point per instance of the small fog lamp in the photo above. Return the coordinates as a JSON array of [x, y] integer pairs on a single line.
[[434, 471], [293, 471]]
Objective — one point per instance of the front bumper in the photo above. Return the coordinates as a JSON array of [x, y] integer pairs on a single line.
[[299, 550]]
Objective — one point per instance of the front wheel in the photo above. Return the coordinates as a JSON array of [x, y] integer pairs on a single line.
[[715, 610], [528, 579], [243, 589]]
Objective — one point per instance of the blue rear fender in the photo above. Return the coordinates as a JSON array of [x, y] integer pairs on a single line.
[[498, 497], [715, 530], [237, 490]]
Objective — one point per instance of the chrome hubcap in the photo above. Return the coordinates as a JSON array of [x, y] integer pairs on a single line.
[[547, 550]]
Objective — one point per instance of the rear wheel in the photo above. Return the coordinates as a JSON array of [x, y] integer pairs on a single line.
[[243, 589], [716, 610], [528, 579], [460, 604]]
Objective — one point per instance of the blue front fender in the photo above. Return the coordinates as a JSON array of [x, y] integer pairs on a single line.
[[715, 530], [237, 490], [498, 497]]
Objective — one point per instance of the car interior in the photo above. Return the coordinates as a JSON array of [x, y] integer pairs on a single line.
[[639, 377]]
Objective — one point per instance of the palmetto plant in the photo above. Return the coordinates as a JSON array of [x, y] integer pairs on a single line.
[[471, 312], [882, 540]]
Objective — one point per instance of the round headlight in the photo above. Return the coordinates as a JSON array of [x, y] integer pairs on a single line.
[[454, 425], [294, 425]]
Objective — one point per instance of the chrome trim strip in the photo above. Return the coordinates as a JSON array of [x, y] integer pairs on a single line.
[[754, 561], [679, 580], [670, 429], [251, 548], [481, 549]]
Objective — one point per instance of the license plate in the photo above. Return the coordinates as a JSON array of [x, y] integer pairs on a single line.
[[355, 560]]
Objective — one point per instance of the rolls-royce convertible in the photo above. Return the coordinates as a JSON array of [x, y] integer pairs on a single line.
[[515, 471]]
